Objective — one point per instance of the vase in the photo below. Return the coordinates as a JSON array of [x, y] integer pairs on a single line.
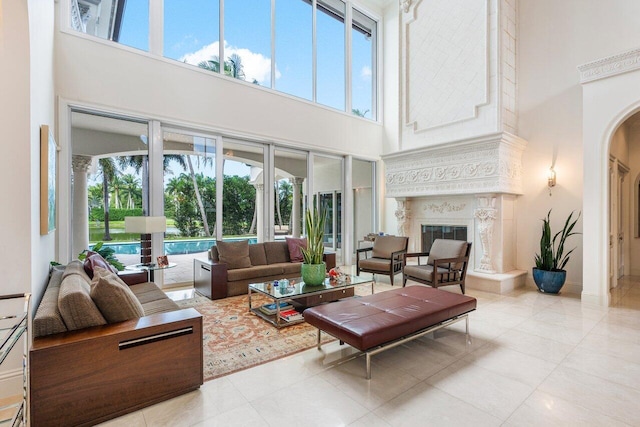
[[313, 274], [549, 281]]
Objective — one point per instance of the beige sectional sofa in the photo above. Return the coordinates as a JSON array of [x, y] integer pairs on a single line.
[[87, 368], [266, 261]]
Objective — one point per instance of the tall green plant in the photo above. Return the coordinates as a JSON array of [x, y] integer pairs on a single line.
[[314, 221], [552, 256]]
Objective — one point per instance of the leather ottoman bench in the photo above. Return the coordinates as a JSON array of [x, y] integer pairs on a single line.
[[375, 323]]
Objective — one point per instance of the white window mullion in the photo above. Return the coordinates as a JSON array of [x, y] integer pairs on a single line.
[[156, 27], [314, 51], [347, 59], [221, 42], [219, 188], [273, 44]]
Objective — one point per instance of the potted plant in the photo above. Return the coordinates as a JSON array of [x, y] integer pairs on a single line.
[[549, 273], [313, 268]]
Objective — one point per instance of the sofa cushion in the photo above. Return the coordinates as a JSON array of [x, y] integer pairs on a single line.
[[257, 255], [113, 297], [152, 298], [289, 268], [257, 272], [93, 260], [75, 304], [76, 267], [294, 245], [384, 246], [48, 319], [276, 252], [234, 254]]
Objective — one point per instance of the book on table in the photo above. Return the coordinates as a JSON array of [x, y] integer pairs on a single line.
[[291, 315], [271, 308]]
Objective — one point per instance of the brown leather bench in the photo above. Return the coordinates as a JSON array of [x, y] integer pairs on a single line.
[[375, 323]]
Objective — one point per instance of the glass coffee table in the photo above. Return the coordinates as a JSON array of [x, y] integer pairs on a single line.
[[300, 296]]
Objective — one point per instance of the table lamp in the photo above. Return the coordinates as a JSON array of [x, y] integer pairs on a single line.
[[145, 225]]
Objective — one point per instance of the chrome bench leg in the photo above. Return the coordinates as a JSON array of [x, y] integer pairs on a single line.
[[319, 340], [368, 356], [467, 330]]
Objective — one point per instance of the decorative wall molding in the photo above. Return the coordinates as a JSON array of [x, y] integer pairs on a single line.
[[487, 164], [405, 5], [610, 66], [447, 78], [81, 163], [486, 214], [443, 207], [403, 216]]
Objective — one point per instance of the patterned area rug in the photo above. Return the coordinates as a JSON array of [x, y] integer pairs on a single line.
[[235, 339]]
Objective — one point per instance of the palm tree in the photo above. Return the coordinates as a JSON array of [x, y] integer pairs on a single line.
[[109, 170], [196, 189], [232, 66], [116, 187], [357, 112], [130, 189]]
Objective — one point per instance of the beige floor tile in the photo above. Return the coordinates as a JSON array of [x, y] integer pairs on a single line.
[[544, 410], [242, 416], [495, 394], [311, 402], [184, 410], [589, 391], [370, 420], [135, 419], [534, 345], [617, 332], [425, 405], [553, 332], [512, 364], [610, 368]]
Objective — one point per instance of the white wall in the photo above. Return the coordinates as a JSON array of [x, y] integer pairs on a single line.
[[554, 38], [26, 37]]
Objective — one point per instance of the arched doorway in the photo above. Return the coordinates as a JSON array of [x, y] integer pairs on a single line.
[[611, 95]]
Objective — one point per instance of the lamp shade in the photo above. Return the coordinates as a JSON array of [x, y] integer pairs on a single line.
[[145, 224]]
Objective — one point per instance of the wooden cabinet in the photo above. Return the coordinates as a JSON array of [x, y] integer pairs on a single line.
[[205, 280], [329, 296]]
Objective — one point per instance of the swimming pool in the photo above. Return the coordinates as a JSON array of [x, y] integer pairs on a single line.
[[171, 247]]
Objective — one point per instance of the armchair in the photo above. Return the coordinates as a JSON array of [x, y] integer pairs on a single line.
[[386, 256], [446, 265]]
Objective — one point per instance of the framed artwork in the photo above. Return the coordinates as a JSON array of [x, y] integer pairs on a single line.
[[163, 261], [48, 164]]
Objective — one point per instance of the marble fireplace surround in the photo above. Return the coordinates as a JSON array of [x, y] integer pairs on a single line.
[[473, 183]]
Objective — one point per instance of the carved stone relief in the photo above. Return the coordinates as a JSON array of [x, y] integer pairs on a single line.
[[486, 215]]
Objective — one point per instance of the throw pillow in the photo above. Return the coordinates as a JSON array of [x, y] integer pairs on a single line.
[[113, 297], [94, 260], [234, 254], [294, 245]]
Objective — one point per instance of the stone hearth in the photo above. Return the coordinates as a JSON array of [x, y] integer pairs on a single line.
[[473, 183]]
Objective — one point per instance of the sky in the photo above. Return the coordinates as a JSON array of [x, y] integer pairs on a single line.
[[191, 34]]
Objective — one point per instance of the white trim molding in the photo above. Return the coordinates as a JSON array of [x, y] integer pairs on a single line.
[[486, 164], [610, 66]]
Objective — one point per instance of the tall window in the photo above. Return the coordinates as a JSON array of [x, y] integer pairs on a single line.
[[247, 34], [123, 22], [191, 34], [294, 47], [285, 45], [330, 86], [363, 65]]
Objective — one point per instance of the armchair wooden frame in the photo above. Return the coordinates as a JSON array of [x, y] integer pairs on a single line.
[[396, 265], [442, 273]]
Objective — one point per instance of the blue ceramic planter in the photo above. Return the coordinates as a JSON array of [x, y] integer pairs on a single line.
[[549, 282]]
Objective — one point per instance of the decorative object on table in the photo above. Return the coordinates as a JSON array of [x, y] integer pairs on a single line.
[[549, 274], [336, 275], [145, 225], [48, 154], [163, 261], [313, 269]]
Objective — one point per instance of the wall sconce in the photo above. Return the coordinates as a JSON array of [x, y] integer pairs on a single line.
[[551, 179]]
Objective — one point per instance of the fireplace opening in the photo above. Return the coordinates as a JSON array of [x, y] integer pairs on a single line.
[[450, 232]]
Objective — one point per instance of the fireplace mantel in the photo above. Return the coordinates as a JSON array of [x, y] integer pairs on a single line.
[[486, 164]]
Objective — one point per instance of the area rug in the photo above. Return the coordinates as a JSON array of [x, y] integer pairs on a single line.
[[236, 339]]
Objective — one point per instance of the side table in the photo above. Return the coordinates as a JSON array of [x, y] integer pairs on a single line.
[[149, 269], [203, 280]]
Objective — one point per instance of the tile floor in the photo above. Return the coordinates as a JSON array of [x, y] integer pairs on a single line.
[[535, 360]]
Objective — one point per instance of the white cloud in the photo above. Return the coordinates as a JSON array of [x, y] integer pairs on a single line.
[[255, 65], [365, 73]]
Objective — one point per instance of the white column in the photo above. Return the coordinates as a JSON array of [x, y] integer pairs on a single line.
[[486, 215], [296, 182], [80, 219], [259, 212]]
